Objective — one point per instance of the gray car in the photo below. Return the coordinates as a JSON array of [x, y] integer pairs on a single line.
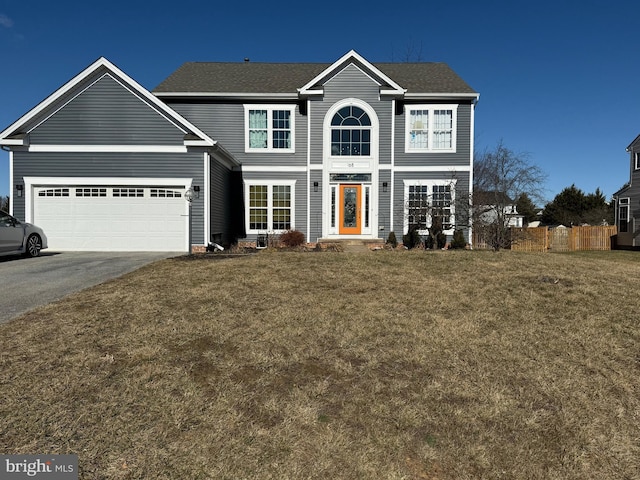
[[19, 238]]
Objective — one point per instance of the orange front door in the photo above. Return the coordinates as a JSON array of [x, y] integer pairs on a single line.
[[350, 210]]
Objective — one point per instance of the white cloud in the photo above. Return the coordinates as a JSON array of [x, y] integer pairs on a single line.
[[5, 21]]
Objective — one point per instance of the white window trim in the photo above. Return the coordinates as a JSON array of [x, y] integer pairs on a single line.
[[431, 108], [269, 184], [270, 109], [636, 157], [624, 202], [430, 184]]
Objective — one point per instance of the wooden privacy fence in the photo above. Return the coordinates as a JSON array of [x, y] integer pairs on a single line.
[[560, 239]]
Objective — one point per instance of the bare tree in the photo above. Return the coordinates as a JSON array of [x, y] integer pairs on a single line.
[[4, 203], [412, 54], [500, 177]]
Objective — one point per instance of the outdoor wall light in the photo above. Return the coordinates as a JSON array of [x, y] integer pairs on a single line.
[[196, 191], [384, 186], [315, 186], [189, 195], [19, 189]]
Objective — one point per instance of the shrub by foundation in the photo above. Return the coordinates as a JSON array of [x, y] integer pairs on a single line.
[[458, 240], [411, 239], [292, 238], [391, 240]]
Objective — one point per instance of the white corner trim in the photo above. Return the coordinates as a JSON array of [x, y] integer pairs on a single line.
[[11, 184]]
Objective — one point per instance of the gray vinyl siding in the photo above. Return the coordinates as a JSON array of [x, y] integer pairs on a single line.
[[220, 203], [300, 199], [147, 165], [315, 202], [106, 113], [351, 83], [225, 124], [462, 191], [463, 142], [384, 206], [630, 239]]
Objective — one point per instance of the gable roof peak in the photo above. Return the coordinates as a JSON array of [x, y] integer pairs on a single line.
[[8, 135], [351, 57]]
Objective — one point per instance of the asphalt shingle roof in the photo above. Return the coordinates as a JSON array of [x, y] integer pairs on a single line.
[[255, 77]]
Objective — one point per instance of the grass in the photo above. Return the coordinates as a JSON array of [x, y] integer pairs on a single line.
[[388, 365]]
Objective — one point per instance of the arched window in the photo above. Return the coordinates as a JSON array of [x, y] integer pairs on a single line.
[[351, 132]]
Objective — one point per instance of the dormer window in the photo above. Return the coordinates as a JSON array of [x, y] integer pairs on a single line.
[[636, 158]]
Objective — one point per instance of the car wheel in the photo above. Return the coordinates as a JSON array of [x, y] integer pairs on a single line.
[[34, 245]]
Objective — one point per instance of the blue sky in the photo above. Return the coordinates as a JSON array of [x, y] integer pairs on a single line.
[[558, 80]]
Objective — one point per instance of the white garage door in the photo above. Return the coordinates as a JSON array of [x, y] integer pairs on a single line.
[[112, 218]]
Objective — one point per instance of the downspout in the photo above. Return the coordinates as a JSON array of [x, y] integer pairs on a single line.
[[471, 148], [393, 166]]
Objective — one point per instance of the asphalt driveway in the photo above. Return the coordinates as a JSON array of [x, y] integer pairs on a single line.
[[27, 283]]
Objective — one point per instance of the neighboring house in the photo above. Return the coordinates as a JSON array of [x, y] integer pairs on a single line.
[[337, 151], [487, 207], [627, 200]]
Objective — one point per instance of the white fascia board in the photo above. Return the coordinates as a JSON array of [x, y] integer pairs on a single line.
[[14, 142], [352, 54], [440, 96], [228, 95], [318, 91], [103, 62], [393, 93], [197, 143]]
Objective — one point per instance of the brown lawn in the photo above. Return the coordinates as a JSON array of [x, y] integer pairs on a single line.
[[385, 365]]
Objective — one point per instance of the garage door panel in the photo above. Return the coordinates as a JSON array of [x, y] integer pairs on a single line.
[[112, 221]]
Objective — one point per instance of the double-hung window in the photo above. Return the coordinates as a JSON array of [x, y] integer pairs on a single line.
[[269, 128], [271, 206], [623, 215], [427, 201], [431, 128]]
